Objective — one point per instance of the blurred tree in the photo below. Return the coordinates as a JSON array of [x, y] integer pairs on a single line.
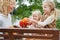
[[57, 4], [24, 10], [58, 7]]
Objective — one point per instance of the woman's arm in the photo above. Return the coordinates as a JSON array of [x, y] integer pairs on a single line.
[[49, 20]]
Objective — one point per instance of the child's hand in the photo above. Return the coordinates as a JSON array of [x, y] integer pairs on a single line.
[[29, 21], [34, 22]]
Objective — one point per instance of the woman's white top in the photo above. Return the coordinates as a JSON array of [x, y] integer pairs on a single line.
[[5, 21]]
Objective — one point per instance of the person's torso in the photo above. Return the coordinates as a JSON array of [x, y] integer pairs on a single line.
[[51, 25], [6, 21]]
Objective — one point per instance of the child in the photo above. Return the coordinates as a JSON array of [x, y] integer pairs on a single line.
[[36, 16], [6, 6], [49, 16]]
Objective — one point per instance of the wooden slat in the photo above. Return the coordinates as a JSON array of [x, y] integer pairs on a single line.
[[4, 35], [26, 30], [32, 36]]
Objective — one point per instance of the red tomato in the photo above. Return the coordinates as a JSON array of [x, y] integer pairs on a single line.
[[24, 22]]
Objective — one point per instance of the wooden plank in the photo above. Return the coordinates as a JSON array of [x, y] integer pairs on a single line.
[[32, 36], [26, 30]]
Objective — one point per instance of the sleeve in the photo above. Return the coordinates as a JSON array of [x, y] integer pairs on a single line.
[[49, 20]]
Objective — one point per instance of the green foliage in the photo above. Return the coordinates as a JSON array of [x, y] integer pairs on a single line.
[[58, 21], [58, 24], [25, 11], [57, 4]]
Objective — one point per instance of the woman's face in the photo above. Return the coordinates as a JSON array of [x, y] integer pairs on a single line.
[[11, 6], [46, 8]]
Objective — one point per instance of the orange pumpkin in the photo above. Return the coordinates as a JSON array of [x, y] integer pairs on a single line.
[[24, 22]]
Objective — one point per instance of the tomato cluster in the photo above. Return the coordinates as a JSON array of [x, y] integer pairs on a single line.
[[24, 22]]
